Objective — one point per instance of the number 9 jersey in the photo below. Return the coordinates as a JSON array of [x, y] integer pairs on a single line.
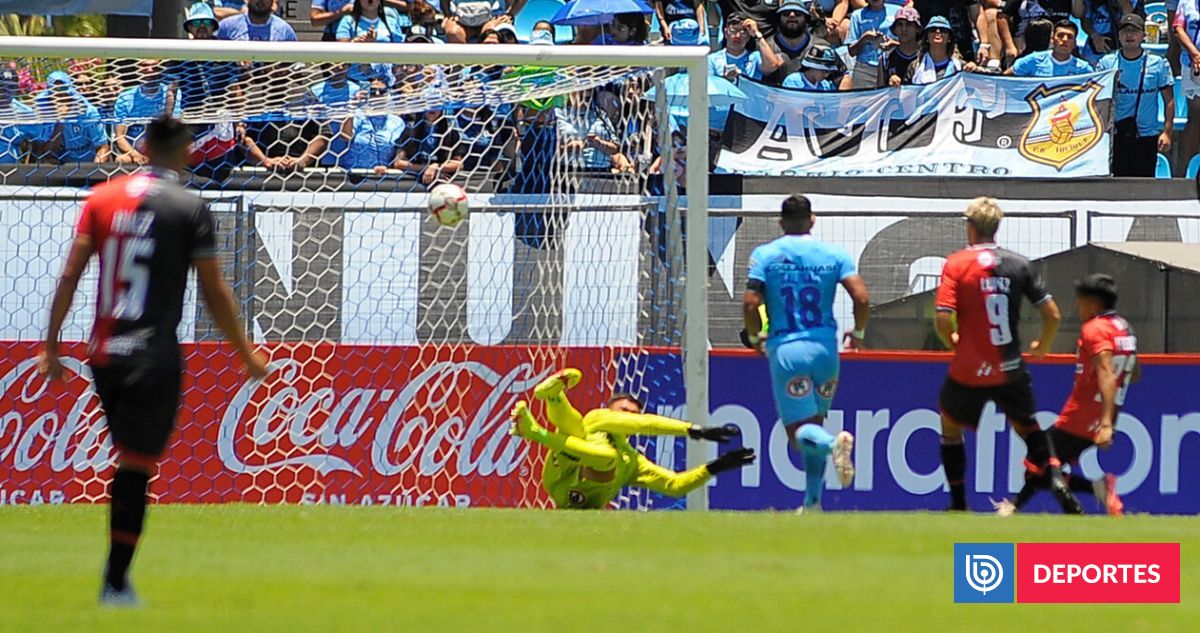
[[147, 230], [983, 285]]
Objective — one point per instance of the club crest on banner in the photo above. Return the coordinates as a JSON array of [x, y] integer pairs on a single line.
[[1064, 124]]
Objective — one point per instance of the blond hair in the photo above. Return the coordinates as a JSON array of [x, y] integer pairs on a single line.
[[985, 214]]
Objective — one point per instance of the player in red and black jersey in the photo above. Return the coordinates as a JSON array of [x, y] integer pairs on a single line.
[[1107, 365], [978, 308], [148, 231]]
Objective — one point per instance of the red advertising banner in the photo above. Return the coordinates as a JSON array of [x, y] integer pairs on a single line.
[[1098, 572], [347, 424]]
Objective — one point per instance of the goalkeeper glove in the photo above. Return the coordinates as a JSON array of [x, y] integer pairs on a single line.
[[714, 433], [736, 458]]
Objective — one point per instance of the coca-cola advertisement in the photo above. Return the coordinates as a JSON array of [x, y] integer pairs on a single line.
[[342, 424]]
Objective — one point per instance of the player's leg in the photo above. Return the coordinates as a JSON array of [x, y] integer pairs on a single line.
[[625, 423], [140, 404], [825, 378], [1015, 399], [791, 367], [1069, 447], [553, 391], [588, 452], [960, 407]]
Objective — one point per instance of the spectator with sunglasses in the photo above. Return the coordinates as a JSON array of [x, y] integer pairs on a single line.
[[783, 54]]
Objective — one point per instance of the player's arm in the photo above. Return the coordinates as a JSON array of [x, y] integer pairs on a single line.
[[1106, 381], [654, 477], [1050, 319], [857, 288], [82, 250], [752, 315], [625, 423], [220, 303], [947, 328], [946, 306]]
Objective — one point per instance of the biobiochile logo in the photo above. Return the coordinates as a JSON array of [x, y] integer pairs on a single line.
[[1066, 572]]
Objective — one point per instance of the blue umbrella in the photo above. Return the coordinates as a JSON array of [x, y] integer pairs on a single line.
[[722, 93], [597, 12]]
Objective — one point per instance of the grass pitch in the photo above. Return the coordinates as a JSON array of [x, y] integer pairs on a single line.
[[290, 568]]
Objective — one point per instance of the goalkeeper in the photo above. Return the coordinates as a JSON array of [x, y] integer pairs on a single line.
[[591, 458]]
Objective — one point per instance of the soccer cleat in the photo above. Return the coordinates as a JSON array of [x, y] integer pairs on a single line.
[[843, 445], [1105, 490], [1066, 498], [1004, 507], [558, 382], [812, 509], [523, 424], [115, 598]]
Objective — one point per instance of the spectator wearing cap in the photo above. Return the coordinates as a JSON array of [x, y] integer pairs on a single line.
[[906, 25], [1142, 78], [257, 24], [671, 11], [966, 19], [198, 80], [937, 60], [736, 59], [77, 134], [1059, 61], [327, 98], [140, 103], [782, 54], [867, 36], [16, 138], [371, 138], [506, 33], [819, 63]]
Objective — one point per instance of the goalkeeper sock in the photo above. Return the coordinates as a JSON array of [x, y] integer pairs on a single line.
[[954, 463], [127, 512]]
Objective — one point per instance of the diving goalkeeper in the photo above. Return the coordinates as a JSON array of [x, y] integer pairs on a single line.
[[591, 458]]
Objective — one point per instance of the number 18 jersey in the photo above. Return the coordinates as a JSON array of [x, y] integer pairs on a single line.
[[147, 229], [798, 277], [983, 285]]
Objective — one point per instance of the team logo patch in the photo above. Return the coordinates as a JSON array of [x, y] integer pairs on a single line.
[[1063, 126], [986, 259], [799, 386], [576, 498], [827, 389]]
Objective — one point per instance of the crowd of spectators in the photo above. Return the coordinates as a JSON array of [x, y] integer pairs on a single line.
[[817, 45]]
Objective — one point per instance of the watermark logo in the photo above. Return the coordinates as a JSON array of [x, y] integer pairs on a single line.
[[983, 572]]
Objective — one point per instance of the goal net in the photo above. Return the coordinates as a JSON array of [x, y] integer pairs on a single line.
[[398, 346]]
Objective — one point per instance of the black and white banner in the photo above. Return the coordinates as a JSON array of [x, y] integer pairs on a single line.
[[965, 125]]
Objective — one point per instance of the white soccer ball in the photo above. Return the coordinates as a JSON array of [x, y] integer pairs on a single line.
[[448, 204]]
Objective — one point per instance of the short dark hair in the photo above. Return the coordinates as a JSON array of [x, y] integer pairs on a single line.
[[796, 207], [166, 134], [1098, 286], [1067, 24], [622, 395]]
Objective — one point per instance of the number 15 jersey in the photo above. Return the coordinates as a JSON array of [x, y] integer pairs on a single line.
[[147, 229], [983, 285], [798, 277]]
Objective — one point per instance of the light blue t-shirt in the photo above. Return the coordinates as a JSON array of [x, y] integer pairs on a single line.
[[13, 135], [239, 27], [867, 19], [331, 5], [374, 141], [338, 98], [133, 103], [798, 80], [82, 134], [388, 28], [748, 63], [1042, 64], [1129, 72], [800, 276]]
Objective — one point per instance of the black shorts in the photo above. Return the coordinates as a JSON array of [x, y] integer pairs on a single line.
[[140, 403], [964, 404], [1067, 446]]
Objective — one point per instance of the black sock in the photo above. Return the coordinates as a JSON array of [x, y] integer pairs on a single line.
[[1037, 448], [1033, 483], [1079, 483], [127, 511], [954, 463]]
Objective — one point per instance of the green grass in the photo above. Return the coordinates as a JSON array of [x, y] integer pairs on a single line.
[[234, 568]]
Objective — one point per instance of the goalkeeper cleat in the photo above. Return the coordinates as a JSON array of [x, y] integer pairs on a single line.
[[119, 598], [557, 383], [523, 424], [843, 446], [1004, 507], [1105, 489]]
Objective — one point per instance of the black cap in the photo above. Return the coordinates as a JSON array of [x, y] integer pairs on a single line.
[[1134, 20], [1098, 285]]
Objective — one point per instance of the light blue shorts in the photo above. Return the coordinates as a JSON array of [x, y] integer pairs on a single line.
[[804, 375]]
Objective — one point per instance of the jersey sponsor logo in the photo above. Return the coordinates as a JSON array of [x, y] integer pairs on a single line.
[[827, 389], [1064, 124], [799, 387], [576, 498]]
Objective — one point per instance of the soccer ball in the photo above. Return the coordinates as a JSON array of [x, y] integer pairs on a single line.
[[448, 204]]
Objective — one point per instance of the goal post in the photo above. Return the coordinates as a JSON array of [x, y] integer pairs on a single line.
[[256, 216]]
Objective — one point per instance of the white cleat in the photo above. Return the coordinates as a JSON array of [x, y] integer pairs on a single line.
[[843, 446], [1004, 507]]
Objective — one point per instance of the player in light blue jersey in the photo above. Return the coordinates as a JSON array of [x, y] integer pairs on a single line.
[[797, 276]]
